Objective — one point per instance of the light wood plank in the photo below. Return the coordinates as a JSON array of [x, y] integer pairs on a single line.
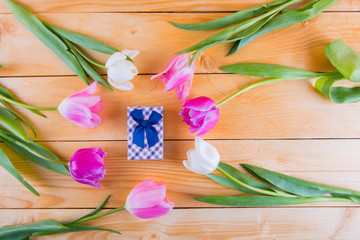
[[330, 162], [280, 110], [299, 46], [262, 224], [155, 5]]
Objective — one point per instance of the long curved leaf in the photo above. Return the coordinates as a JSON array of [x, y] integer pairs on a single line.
[[11, 123], [83, 40], [344, 59], [33, 152], [269, 70], [230, 19], [264, 201], [31, 22], [337, 94], [295, 185], [242, 177], [230, 31], [285, 19], [8, 166], [229, 183], [74, 228], [23, 231], [19, 116]]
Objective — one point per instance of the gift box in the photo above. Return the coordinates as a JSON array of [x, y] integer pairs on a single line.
[[145, 133]]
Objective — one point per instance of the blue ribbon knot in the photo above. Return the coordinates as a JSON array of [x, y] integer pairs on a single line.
[[145, 126]]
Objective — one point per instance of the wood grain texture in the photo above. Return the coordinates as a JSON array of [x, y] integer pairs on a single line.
[[290, 109], [155, 5], [332, 162], [205, 224], [300, 45]]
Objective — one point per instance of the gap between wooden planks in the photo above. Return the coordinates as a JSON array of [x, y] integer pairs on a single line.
[[290, 109], [156, 5], [185, 224], [333, 162], [300, 45]]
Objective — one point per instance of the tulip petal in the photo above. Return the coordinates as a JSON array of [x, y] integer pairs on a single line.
[[146, 194], [207, 151], [122, 71], [183, 90], [113, 59], [200, 103], [159, 210], [123, 86], [96, 150], [97, 107], [171, 63], [91, 89], [85, 99], [130, 53], [210, 121]]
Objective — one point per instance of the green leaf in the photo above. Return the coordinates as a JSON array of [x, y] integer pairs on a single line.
[[33, 152], [6, 93], [31, 22], [269, 70], [337, 94], [286, 19], [75, 228], [23, 231], [11, 123], [94, 211], [83, 40], [264, 201], [91, 71], [19, 116], [231, 19], [242, 177], [344, 59], [230, 31], [7, 165], [295, 185]]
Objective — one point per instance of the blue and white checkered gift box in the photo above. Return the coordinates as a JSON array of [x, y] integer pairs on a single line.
[[135, 152]]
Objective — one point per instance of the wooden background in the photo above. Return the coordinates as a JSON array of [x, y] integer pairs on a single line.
[[286, 126]]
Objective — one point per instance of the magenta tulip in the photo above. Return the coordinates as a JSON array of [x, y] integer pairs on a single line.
[[200, 114], [87, 166], [179, 75], [82, 108], [147, 200]]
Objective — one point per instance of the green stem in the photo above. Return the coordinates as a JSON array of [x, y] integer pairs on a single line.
[[89, 59], [255, 189], [250, 87], [100, 215], [24, 105]]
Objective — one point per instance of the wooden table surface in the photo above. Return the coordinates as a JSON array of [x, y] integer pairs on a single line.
[[286, 126]]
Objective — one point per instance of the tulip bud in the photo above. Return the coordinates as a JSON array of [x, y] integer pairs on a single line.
[[200, 114], [87, 166], [121, 70], [147, 200], [204, 159]]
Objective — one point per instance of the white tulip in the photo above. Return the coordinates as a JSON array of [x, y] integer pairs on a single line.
[[120, 70], [203, 159]]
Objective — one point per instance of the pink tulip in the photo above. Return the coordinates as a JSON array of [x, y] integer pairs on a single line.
[[147, 200], [82, 108], [87, 166], [179, 75], [200, 114]]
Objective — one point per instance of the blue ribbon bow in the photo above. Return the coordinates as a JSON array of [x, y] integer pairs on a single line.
[[145, 126]]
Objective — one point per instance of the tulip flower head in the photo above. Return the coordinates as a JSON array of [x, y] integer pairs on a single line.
[[87, 166], [179, 75], [147, 200], [121, 70], [204, 159], [200, 114], [82, 108]]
